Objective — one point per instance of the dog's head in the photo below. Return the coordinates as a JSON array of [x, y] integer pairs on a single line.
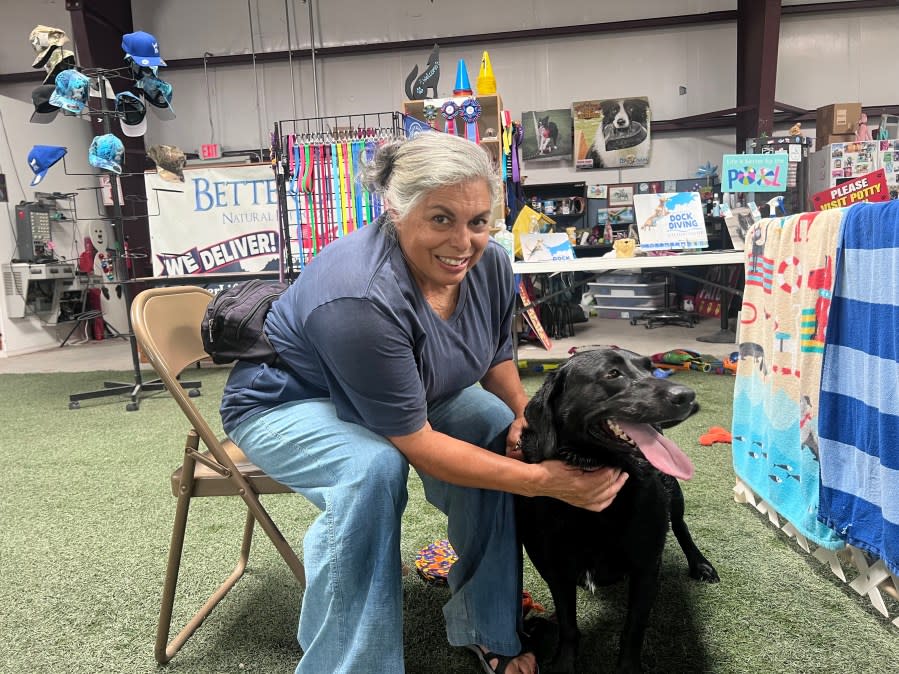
[[543, 122], [599, 409], [622, 112]]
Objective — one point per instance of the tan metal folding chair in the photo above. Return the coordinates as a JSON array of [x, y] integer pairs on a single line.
[[166, 323]]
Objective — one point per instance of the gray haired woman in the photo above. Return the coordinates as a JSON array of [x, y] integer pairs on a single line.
[[383, 341]]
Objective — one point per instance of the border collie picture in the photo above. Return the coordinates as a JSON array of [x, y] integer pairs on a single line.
[[620, 138]]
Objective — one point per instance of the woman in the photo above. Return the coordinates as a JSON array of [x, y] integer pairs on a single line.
[[383, 341]]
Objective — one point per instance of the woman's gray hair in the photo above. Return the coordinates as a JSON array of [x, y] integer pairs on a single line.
[[404, 171]]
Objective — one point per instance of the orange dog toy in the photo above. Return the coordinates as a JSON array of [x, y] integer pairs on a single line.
[[715, 434]]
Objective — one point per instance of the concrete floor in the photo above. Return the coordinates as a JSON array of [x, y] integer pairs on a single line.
[[115, 354]]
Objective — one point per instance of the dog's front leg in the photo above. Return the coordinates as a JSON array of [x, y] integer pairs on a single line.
[[643, 587], [564, 593]]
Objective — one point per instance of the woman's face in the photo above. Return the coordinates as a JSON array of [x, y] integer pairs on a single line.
[[446, 233]]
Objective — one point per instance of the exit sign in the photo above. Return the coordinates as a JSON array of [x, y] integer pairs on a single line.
[[210, 151]]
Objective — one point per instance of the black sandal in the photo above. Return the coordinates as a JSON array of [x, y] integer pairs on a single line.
[[502, 661]]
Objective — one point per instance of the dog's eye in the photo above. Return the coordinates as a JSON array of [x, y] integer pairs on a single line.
[[613, 374]]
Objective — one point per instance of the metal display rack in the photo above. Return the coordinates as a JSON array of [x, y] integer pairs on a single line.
[[320, 198]]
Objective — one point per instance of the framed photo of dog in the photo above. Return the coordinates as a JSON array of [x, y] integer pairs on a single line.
[[547, 135], [611, 133]]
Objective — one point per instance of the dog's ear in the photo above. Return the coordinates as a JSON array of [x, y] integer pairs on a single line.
[[541, 414]]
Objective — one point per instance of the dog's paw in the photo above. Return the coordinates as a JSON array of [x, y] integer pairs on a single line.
[[704, 572]]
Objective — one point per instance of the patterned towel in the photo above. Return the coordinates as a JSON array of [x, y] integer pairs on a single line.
[[789, 279], [860, 386]]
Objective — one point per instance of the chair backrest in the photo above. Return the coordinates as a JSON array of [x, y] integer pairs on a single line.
[[166, 323]]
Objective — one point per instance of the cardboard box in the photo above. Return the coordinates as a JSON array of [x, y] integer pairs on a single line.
[[823, 141], [837, 118]]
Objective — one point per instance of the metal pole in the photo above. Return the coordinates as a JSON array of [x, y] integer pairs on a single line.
[[293, 85], [312, 52], [256, 83]]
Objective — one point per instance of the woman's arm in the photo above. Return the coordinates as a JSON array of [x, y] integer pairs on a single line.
[[461, 463], [503, 381]]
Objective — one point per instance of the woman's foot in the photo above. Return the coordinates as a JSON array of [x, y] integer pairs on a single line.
[[493, 663]]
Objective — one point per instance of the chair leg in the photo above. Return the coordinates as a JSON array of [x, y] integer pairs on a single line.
[[251, 498], [164, 649]]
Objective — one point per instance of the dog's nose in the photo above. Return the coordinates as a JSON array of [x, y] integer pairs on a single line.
[[681, 395]]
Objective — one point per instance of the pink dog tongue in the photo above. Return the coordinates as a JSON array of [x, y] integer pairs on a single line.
[[659, 450]]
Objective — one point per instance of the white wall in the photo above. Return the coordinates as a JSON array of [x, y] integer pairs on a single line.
[[822, 59]]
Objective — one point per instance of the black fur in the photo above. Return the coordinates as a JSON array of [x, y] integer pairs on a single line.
[[571, 546]]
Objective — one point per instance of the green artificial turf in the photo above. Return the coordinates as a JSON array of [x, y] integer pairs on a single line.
[[87, 512]]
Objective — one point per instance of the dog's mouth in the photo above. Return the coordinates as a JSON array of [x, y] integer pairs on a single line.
[[661, 452]]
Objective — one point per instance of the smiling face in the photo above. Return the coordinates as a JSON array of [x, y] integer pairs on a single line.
[[445, 234]]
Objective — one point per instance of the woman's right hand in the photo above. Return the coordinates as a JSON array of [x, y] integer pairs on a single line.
[[594, 490]]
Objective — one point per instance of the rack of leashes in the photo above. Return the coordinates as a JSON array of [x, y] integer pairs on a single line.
[[320, 196]]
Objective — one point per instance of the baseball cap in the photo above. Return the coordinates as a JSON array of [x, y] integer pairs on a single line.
[[45, 39], [169, 160], [143, 48], [106, 152], [41, 158], [60, 59], [132, 114], [159, 94], [71, 91], [44, 111]]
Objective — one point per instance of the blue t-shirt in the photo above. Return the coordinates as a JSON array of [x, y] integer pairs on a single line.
[[356, 328]]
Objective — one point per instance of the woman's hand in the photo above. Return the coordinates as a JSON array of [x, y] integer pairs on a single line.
[[513, 438], [594, 490]]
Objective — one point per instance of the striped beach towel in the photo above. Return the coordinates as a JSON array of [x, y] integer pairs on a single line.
[[859, 421], [789, 279]]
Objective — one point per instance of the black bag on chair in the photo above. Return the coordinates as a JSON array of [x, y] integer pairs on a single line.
[[232, 327]]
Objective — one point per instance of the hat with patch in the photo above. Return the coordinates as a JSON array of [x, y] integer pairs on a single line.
[[106, 152], [71, 91], [44, 40], [44, 111], [60, 59], [142, 48], [132, 114], [42, 158], [169, 160], [158, 94]]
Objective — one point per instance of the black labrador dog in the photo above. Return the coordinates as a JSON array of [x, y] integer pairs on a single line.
[[603, 408]]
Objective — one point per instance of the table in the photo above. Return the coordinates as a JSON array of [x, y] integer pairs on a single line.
[[600, 265]]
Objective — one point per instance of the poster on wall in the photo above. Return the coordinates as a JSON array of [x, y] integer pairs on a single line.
[[670, 221], [611, 133], [547, 135], [221, 220]]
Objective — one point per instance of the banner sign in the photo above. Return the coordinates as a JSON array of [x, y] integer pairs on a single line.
[[670, 221], [869, 187], [755, 172], [222, 220]]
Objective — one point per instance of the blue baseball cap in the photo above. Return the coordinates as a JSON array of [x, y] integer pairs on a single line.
[[41, 158], [106, 152], [72, 90], [158, 94], [142, 48]]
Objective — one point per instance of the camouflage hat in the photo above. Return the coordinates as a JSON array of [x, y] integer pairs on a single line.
[[44, 39], [169, 160]]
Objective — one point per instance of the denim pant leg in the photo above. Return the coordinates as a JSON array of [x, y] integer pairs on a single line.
[[485, 607], [352, 613]]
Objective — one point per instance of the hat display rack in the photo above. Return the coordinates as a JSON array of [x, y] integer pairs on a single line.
[[320, 196], [72, 94]]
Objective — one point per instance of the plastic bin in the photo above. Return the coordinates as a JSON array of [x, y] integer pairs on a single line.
[[628, 289]]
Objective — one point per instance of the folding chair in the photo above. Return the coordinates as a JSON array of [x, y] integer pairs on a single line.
[[166, 324]]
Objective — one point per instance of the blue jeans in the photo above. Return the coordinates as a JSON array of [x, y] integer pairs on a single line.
[[352, 616]]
